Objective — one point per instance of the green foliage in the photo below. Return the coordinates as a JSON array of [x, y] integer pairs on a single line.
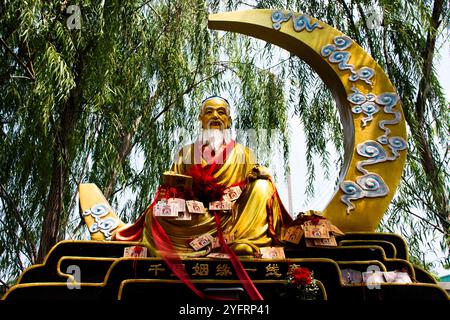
[[103, 104]]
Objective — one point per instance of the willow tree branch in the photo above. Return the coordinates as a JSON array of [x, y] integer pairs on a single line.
[[188, 89], [133, 181], [15, 242], [426, 221], [126, 144], [419, 198], [24, 66], [4, 284], [80, 179], [31, 248], [366, 28], [352, 21]]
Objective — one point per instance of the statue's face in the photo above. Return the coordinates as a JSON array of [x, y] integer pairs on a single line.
[[215, 114]]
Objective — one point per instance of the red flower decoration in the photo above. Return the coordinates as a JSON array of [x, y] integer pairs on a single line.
[[301, 276], [204, 184], [301, 283]]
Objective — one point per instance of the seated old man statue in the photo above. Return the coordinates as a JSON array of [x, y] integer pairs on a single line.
[[217, 164]]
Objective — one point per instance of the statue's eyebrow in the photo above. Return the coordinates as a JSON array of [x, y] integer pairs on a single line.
[[213, 108]]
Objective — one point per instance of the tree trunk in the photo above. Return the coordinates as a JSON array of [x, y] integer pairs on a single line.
[[125, 144], [60, 166], [53, 209], [125, 149]]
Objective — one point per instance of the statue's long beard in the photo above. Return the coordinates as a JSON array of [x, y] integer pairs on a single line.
[[215, 138]]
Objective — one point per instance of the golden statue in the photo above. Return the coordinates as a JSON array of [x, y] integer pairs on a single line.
[[255, 218]]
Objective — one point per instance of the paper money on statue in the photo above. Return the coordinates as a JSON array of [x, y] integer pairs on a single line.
[[373, 277], [178, 203], [272, 253], [195, 207], [184, 216], [218, 255], [228, 237], [320, 222], [220, 205], [331, 242], [293, 234], [201, 242], [135, 252], [164, 209], [215, 243], [351, 276], [232, 194], [316, 232]]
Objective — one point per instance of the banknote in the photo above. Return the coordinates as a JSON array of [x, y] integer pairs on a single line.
[[331, 242], [272, 253], [135, 251], [228, 237], [218, 255], [201, 242], [316, 232], [195, 207], [309, 243], [397, 277], [164, 209], [293, 234], [373, 277], [232, 193], [215, 243], [321, 223], [184, 216], [180, 204], [220, 205]]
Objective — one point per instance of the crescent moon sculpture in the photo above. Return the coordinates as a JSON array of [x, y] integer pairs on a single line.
[[370, 109]]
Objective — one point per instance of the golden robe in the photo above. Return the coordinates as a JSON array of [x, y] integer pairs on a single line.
[[250, 217]]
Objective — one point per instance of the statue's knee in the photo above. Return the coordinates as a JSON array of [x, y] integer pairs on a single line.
[[262, 185]]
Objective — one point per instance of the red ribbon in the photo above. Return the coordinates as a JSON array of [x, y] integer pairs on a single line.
[[172, 259], [249, 286]]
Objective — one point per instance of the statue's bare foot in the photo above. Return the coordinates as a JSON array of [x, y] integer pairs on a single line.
[[242, 249]]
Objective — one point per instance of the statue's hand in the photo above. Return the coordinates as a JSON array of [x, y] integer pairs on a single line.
[[259, 172]]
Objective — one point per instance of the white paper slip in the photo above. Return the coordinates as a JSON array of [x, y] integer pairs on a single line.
[[201, 242], [195, 207], [218, 255], [272, 253], [232, 194], [184, 216], [220, 205], [180, 204], [135, 251], [164, 209]]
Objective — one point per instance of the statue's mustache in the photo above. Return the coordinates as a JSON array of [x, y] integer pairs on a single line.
[[214, 121]]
